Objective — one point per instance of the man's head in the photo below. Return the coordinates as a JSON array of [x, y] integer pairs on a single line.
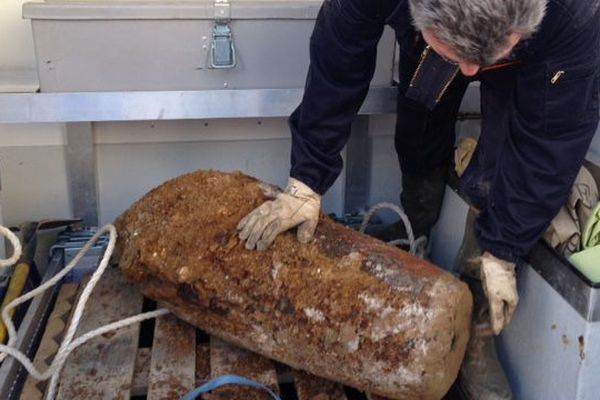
[[474, 33]]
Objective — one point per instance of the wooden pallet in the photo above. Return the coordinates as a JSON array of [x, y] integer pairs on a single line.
[[131, 363]]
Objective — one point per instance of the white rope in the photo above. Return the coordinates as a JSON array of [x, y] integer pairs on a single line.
[[68, 344], [416, 246], [16, 244]]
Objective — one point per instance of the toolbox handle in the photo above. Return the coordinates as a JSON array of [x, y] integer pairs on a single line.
[[227, 380]]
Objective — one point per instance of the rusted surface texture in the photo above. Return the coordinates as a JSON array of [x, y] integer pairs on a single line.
[[226, 359], [310, 387], [141, 372], [103, 367], [173, 362], [345, 307], [202, 364]]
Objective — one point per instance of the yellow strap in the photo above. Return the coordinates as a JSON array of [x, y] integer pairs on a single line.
[[15, 288]]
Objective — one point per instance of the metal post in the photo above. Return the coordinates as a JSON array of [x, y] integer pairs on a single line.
[[81, 171]]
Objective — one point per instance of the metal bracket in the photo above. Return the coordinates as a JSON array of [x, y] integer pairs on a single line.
[[222, 47], [222, 11]]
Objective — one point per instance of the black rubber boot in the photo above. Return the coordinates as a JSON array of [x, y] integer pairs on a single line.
[[421, 198], [481, 375]]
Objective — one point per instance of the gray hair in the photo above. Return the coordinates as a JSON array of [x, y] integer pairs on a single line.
[[477, 30]]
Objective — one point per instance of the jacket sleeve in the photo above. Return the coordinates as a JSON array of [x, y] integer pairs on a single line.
[[343, 50], [552, 122]]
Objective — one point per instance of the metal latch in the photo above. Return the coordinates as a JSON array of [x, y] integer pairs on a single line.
[[222, 47]]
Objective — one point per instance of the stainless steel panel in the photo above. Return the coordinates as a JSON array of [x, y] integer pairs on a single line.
[[160, 10], [168, 105], [175, 54], [81, 167]]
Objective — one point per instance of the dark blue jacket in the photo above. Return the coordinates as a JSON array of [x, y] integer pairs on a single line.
[[550, 124]]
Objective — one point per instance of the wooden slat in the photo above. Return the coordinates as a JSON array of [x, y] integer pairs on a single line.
[[173, 364], [227, 359], [202, 363], [310, 387], [141, 371], [53, 334], [103, 367], [375, 397]]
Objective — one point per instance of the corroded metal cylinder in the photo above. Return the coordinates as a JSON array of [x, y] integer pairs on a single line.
[[345, 307]]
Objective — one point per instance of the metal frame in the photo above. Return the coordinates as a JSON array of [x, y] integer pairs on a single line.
[[81, 169], [168, 105], [80, 110], [11, 371]]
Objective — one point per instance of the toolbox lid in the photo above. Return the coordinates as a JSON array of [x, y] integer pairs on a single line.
[[161, 9]]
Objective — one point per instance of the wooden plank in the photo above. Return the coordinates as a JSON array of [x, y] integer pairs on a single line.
[[202, 363], [173, 363], [375, 397], [310, 387], [227, 359], [103, 367], [53, 334], [141, 371]]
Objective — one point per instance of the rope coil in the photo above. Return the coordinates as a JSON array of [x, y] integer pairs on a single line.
[[16, 244], [417, 246]]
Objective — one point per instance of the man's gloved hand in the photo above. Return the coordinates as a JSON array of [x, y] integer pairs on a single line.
[[298, 206], [499, 282]]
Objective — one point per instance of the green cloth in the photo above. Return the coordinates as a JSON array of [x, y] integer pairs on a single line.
[[588, 260], [591, 232], [588, 263]]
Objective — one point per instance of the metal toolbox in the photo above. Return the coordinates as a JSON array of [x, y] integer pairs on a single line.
[[119, 45]]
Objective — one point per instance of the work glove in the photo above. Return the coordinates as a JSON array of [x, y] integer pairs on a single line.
[[463, 154], [298, 206], [499, 282]]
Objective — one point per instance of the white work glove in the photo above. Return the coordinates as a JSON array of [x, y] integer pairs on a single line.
[[298, 206], [499, 282]]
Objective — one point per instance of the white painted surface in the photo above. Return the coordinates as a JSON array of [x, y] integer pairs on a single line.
[[135, 157], [385, 177], [16, 39], [594, 153], [541, 347], [191, 131], [32, 167], [2, 242], [31, 135], [34, 183], [447, 234]]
